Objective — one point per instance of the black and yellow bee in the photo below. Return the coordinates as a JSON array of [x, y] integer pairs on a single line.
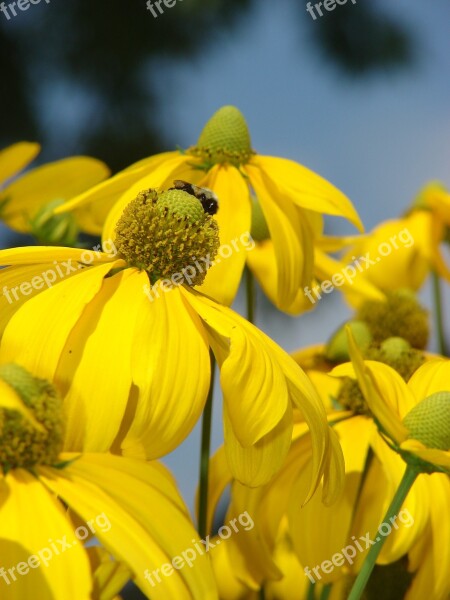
[[208, 199]]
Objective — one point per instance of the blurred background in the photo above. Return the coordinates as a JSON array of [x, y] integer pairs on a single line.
[[360, 95]]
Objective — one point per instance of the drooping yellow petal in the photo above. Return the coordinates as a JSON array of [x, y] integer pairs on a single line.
[[103, 487], [234, 219], [95, 365], [385, 408], [38, 544], [253, 383], [288, 233], [262, 261], [110, 576], [15, 158], [307, 189], [175, 167], [60, 180], [170, 367], [257, 464]]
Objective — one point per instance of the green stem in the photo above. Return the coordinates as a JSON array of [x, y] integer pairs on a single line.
[[326, 591], [311, 589], [262, 594], [437, 295], [369, 458], [250, 289], [363, 576], [204, 456]]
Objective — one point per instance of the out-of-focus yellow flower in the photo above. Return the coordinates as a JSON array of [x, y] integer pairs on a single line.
[[41, 542], [140, 345], [27, 204], [278, 200], [400, 253]]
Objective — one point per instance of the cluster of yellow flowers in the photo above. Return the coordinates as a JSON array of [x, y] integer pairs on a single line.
[[107, 362]]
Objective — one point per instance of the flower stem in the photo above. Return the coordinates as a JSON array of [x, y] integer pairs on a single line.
[[326, 591], [363, 576], [204, 456], [437, 295], [250, 289]]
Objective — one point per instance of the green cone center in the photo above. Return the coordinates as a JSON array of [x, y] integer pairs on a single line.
[[168, 235], [224, 139], [21, 444], [429, 421]]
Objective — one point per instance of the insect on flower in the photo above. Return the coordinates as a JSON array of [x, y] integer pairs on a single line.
[[208, 198]]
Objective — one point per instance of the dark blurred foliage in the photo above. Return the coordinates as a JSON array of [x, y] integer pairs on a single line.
[[103, 57], [361, 39]]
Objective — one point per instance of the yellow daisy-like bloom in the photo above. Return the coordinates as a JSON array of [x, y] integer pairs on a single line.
[[414, 416], [400, 253], [42, 542], [27, 205], [289, 540], [131, 351], [278, 200]]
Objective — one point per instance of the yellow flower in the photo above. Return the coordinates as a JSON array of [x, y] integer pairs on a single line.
[[133, 361], [42, 542], [400, 253], [414, 416], [27, 205], [278, 200]]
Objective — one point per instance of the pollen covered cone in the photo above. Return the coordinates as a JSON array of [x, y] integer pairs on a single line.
[[42, 543], [289, 199], [142, 345], [27, 203]]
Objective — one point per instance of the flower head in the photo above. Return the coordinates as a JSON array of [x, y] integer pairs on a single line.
[[28, 203], [113, 314], [278, 201], [42, 543]]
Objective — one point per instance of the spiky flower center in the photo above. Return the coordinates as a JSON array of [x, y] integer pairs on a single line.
[[399, 316], [51, 229], [166, 234], [21, 444], [224, 139], [429, 421], [395, 352]]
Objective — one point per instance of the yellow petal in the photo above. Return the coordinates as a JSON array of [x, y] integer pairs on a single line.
[[384, 390], [307, 189], [65, 302], [431, 377], [170, 366], [177, 166], [15, 158], [234, 219], [35, 255], [60, 180], [98, 347], [256, 465], [252, 380], [36, 531], [440, 458], [262, 261], [219, 477], [290, 236], [98, 485], [430, 562]]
